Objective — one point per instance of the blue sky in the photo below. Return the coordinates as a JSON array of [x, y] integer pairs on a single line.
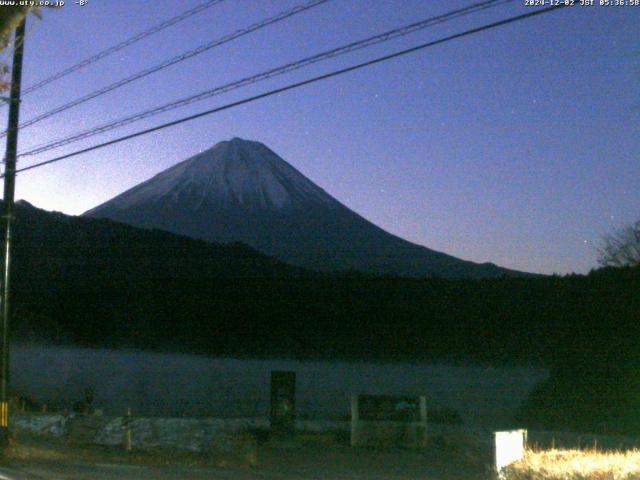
[[517, 146]]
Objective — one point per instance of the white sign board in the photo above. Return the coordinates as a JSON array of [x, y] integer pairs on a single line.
[[509, 447]]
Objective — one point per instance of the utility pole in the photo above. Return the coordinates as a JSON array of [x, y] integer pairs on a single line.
[[9, 190]]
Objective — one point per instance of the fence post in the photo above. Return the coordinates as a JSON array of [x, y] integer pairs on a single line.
[[283, 404], [355, 419], [127, 430]]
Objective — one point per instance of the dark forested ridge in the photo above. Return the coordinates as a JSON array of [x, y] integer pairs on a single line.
[[89, 250], [98, 283]]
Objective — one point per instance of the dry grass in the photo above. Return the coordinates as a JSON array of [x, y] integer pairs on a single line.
[[576, 465]]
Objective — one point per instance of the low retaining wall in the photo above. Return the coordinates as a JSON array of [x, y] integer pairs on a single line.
[[196, 435], [186, 434], [41, 423], [233, 434]]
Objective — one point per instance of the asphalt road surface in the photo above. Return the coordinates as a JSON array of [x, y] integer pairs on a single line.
[[67, 470], [275, 464]]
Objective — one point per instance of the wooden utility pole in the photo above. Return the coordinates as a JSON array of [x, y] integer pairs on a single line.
[[9, 191]]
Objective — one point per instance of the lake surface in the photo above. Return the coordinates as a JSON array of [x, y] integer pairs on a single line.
[[156, 384]]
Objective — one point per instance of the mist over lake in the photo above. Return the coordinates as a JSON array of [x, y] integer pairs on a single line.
[[160, 384]]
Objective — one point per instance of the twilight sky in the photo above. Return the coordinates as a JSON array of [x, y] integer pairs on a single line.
[[519, 146]]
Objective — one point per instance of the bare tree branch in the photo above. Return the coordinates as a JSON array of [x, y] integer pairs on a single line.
[[621, 248]]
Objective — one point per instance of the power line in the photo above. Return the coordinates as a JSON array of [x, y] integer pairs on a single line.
[[177, 59], [292, 86], [383, 37], [266, 75], [115, 48]]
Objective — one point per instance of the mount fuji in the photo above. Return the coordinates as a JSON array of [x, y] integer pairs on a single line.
[[241, 190]]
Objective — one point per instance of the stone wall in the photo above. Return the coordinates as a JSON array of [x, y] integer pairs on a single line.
[[185, 434], [41, 423]]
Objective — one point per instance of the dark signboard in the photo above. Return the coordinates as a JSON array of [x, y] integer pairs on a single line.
[[389, 408]]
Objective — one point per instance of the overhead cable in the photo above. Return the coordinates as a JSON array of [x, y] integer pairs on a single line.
[[172, 61], [116, 48], [296, 85], [281, 70]]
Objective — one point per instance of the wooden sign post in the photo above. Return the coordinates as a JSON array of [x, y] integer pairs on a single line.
[[283, 404]]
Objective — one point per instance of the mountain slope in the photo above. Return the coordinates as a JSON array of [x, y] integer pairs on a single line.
[[51, 246], [242, 191]]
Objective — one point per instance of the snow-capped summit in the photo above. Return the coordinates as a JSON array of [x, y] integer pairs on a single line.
[[241, 190], [235, 173]]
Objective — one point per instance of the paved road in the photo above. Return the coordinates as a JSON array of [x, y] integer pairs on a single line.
[[76, 470], [38, 459], [275, 464]]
